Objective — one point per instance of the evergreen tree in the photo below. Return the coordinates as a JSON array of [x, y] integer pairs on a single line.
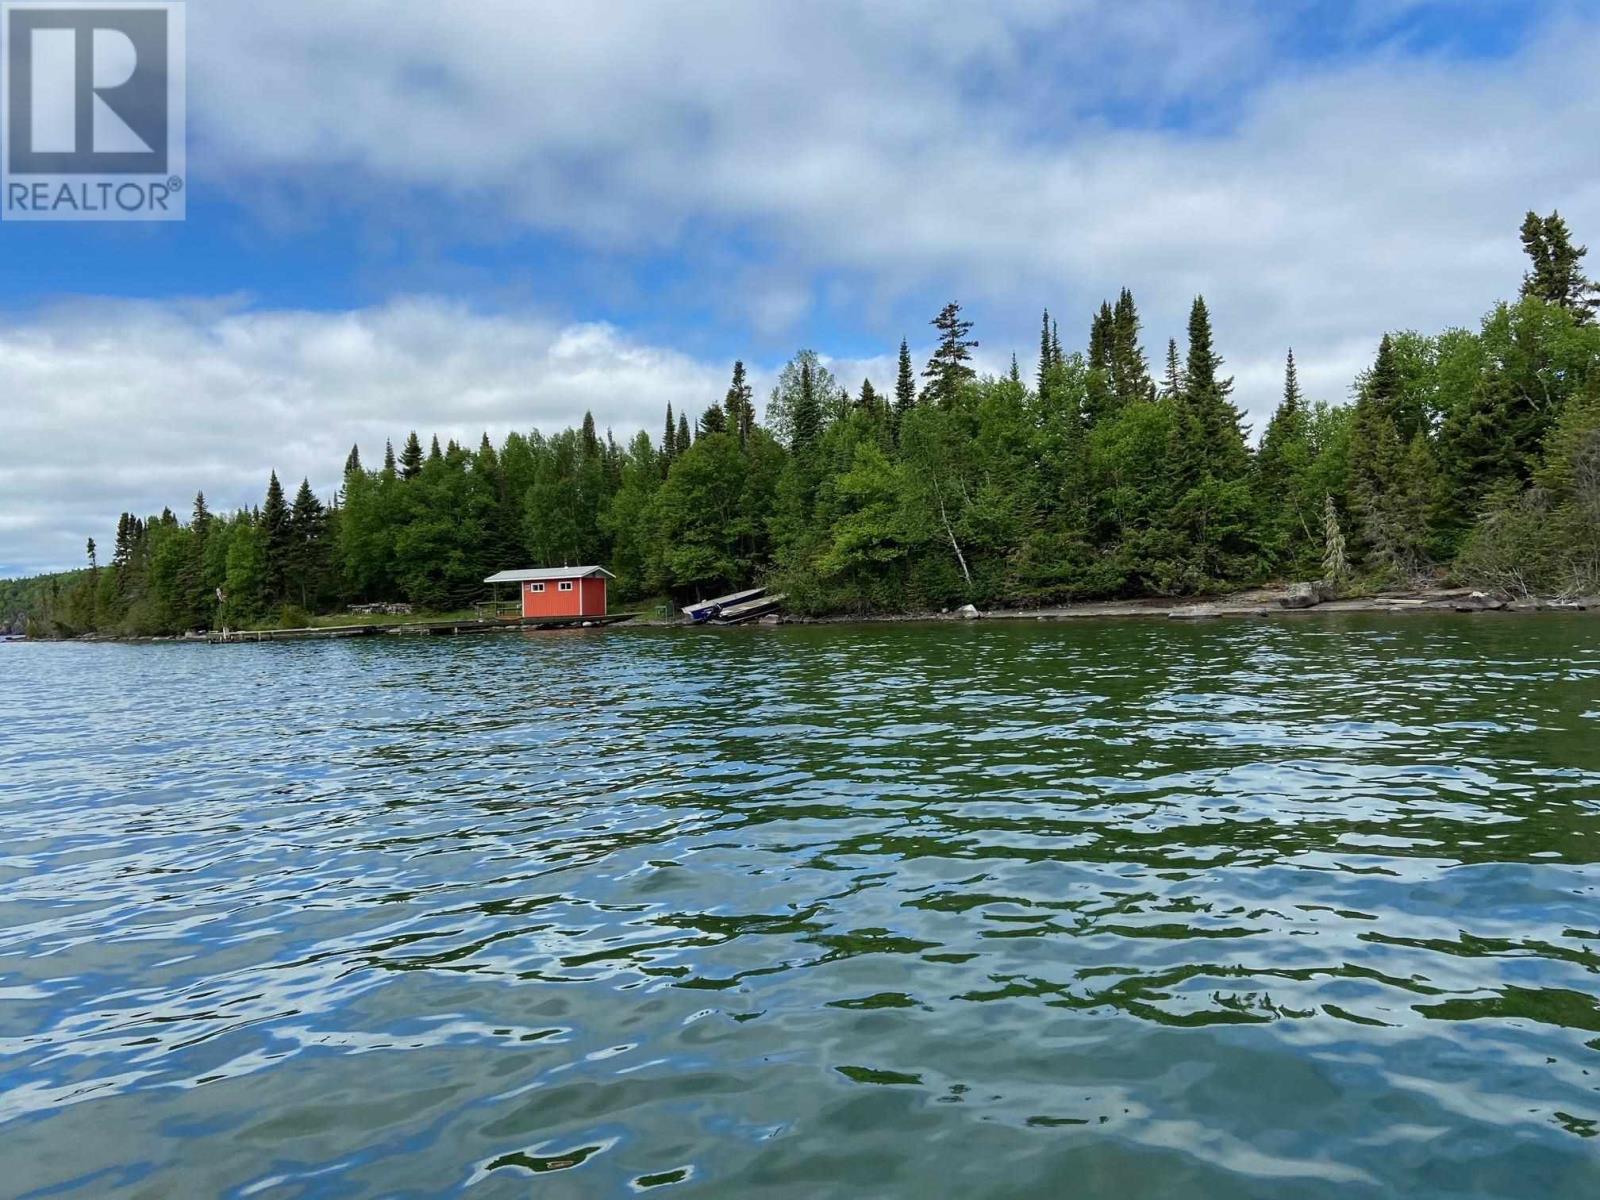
[[1048, 350], [1172, 385], [388, 459], [1206, 393], [806, 417], [589, 439], [868, 401], [905, 387], [352, 462], [411, 457], [1130, 373], [685, 440], [1285, 500], [669, 440], [950, 367], [740, 405], [713, 420], [1557, 275], [307, 548], [1335, 567], [276, 541], [1390, 519], [434, 453]]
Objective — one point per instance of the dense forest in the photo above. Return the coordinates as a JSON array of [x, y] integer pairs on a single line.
[[1473, 455]]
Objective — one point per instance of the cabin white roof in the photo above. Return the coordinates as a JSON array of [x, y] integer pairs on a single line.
[[533, 574]]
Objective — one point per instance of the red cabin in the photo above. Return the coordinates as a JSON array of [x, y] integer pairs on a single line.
[[558, 591]]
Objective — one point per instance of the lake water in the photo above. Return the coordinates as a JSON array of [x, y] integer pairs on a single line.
[[1307, 908]]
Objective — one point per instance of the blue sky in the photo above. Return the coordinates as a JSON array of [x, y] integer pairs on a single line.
[[577, 213]]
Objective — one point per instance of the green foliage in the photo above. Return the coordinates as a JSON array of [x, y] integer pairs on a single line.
[[1477, 451]]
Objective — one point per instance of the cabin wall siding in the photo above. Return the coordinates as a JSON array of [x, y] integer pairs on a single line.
[[586, 599]]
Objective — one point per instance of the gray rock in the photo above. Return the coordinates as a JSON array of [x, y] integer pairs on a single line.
[[1301, 595], [968, 612]]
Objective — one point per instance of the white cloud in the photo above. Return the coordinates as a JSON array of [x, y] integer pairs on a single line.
[[785, 157], [129, 406], [968, 154]]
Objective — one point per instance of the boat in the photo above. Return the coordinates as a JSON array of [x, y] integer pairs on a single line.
[[707, 610], [749, 610]]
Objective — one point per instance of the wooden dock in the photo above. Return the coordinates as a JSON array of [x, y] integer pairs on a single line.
[[414, 629]]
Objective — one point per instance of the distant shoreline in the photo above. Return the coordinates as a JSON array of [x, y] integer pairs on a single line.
[[1257, 602]]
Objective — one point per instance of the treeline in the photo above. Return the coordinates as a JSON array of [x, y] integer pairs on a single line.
[[1468, 453]]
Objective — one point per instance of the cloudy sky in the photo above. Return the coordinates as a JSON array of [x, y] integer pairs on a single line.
[[496, 215]]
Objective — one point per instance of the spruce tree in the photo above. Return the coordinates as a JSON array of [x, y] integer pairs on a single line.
[[434, 453], [1335, 567], [1130, 372], [669, 439], [1047, 356], [950, 367], [868, 402], [684, 438], [388, 460], [275, 527], [740, 405], [1206, 393], [307, 547], [905, 387], [1172, 380], [411, 457], [352, 462], [1390, 526], [1557, 273], [806, 419], [713, 420], [588, 438]]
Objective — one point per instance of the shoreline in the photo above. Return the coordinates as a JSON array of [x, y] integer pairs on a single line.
[[1254, 603]]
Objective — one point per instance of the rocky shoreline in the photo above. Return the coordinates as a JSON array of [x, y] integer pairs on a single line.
[[1290, 601], [1256, 602]]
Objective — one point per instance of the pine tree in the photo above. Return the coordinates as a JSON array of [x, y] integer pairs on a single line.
[[1100, 384], [1130, 373], [388, 460], [434, 453], [411, 457], [740, 405], [94, 563], [1557, 275], [275, 526], [307, 549], [1206, 394], [905, 387], [1390, 520], [868, 402], [806, 419], [685, 440], [588, 438], [1335, 568], [1172, 381], [713, 420], [1281, 467], [352, 462], [1047, 355], [950, 367], [1100, 336], [669, 440]]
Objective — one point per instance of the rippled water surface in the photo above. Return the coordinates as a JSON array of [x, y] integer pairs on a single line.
[[1307, 908]]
